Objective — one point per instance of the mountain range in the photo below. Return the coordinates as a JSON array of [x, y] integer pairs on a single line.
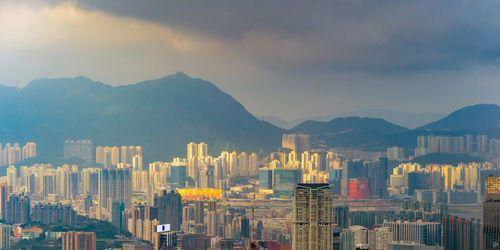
[[161, 115], [165, 114], [405, 119]]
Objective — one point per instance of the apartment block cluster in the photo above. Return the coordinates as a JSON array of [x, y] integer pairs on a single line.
[[10, 154], [479, 144], [461, 184], [224, 202]]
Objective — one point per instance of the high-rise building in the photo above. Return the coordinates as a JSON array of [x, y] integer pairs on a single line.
[[351, 169], [169, 206], [491, 214], [29, 151], [117, 215], [192, 150], [312, 217], [377, 174], [178, 175], [213, 218], [341, 216], [89, 181], [82, 149], [18, 209], [4, 197], [347, 240], [137, 163], [54, 214], [115, 185], [284, 181], [296, 142], [202, 150], [199, 212], [107, 156], [379, 238], [460, 234], [5, 231], [265, 178], [12, 177], [395, 154], [243, 164], [14, 154], [78, 241], [358, 189], [128, 153]]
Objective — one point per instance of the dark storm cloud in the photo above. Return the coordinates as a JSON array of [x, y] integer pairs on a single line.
[[290, 58], [341, 35]]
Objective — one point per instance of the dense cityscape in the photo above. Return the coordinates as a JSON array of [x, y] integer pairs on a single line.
[[299, 197]]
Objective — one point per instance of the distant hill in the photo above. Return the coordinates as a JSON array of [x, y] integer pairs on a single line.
[[353, 132], [340, 125], [476, 117], [161, 115], [278, 121], [405, 119], [451, 159]]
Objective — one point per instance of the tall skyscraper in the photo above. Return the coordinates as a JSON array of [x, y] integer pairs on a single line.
[[312, 217], [192, 150], [491, 214], [199, 212], [202, 150], [213, 219], [4, 197], [12, 177], [18, 209], [107, 156], [116, 215], [5, 231], [169, 209], [115, 185], [29, 150]]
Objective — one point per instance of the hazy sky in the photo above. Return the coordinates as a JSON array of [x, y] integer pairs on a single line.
[[288, 58]]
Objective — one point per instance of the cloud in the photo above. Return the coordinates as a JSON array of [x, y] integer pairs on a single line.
[[289, 58], [388, 36]]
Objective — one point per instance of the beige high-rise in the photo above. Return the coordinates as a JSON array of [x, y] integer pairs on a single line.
[[312, 217]]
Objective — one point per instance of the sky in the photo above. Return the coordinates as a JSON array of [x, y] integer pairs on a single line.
[[287, 58]]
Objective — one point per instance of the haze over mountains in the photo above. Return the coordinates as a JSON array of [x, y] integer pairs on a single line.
[[165, 114], [405, 119], [161, 115]]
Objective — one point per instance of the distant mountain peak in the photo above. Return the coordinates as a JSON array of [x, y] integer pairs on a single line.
[[474, 117], [162, 115]]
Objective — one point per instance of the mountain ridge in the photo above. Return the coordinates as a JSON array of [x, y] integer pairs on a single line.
[[162, 115], [472, 117]]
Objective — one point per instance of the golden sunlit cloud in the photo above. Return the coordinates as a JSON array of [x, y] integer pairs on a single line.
[[27, 27]]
